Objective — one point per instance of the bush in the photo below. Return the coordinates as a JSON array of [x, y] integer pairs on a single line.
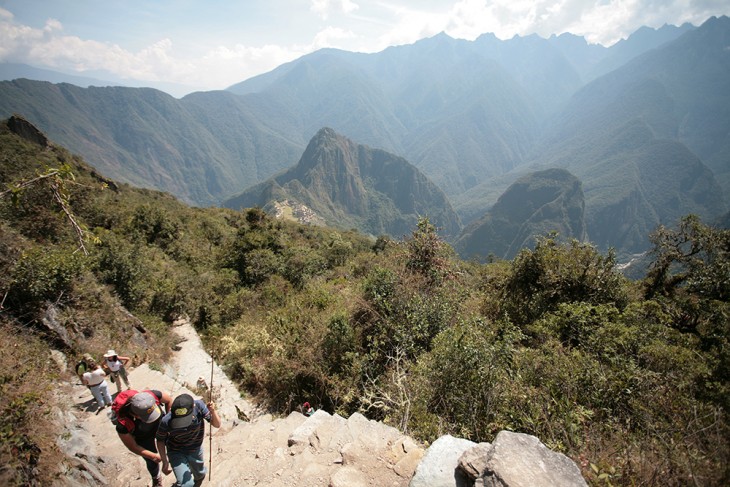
[[561, 273], [43, 275]]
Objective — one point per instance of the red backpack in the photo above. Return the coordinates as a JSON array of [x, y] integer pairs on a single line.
[[122, 417]]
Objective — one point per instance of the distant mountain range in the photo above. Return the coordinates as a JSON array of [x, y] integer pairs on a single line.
[[644, 126], [11, 71]]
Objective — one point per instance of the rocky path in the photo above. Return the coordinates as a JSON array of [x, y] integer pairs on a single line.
[[322, 450]]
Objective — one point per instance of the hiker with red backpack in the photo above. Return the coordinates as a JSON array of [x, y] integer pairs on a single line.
[[180, 439], [137, 416]]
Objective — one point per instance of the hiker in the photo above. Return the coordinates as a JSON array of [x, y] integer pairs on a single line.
[[308, 410], [180, 439], [95, 379], [117, 372], [83, 365], [137, 416]]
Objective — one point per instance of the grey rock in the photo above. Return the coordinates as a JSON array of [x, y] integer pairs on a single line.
[[473, 461], [438, 468], [520, 460], [27, 130]]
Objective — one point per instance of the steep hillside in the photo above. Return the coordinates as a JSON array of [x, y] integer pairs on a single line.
[[555, 343], [150, 139], [348, 185], [535, 205], [641, 41]]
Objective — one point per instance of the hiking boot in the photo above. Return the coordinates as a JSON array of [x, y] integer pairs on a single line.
[[199, 482]]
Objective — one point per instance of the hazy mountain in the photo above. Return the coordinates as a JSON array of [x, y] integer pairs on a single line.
[[348, 185], [643, 137], [451, 110], [11, 71], [635, 45], [649, 141], [536, 204], [199, 152]]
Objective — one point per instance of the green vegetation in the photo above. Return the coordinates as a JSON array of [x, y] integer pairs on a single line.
[[627, 378]]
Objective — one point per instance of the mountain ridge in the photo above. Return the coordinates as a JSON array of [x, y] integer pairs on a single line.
[[457, 110]]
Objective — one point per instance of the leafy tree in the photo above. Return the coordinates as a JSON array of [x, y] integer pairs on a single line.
[[690, 277], [119, 263], [155, 225], [695, 256], [428, 254], [466, 371], [557, 273]]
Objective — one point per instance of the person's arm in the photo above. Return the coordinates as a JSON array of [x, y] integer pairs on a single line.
[[132, 446], [214, 419], [162, 450], [166, 399], [124, 360]]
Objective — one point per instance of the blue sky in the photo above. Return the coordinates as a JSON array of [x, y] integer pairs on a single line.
[[213, 44]]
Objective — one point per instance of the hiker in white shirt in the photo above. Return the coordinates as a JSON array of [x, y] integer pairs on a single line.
[[94, 378]]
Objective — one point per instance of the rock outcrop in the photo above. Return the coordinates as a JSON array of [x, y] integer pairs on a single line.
[[512, 460], [27, 130], [536, 204]]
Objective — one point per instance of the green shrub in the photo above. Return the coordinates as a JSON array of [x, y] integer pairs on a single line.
[[43, 275], [556, 273]]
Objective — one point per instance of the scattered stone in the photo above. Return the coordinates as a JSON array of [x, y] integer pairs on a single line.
[[348, 477]]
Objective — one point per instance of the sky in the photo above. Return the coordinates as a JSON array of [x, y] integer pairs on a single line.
[[212, 44]]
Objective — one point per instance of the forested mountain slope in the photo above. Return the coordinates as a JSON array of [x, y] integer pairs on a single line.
[[648, 140], [535, 205]]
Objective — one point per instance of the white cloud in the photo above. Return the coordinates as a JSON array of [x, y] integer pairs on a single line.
[[324, 8], [599, 21], [5, 14], [220, 67], [329, 37]]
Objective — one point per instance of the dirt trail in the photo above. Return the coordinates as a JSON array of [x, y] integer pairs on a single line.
[[94, 436], [323, 450]]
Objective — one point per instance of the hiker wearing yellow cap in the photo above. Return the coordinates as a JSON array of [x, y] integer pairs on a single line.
[[180, 439]]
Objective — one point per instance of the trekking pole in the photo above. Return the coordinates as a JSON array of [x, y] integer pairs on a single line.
[[210, 428]]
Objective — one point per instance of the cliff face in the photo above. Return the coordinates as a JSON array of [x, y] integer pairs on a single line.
[[542, 202], [350, 185]]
